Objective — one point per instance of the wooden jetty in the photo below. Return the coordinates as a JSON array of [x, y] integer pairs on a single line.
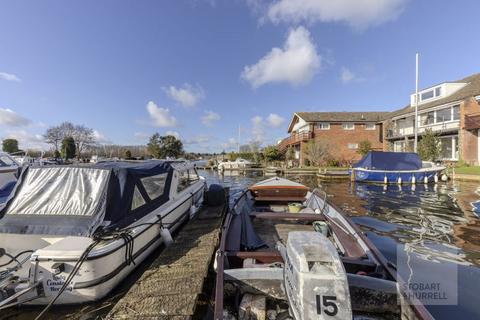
[[172, 287], [333, 175]]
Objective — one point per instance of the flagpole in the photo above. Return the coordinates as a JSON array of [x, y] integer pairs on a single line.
[[238, 138], [416, 104]]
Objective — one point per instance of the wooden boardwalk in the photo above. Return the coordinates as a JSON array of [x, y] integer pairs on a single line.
[[172, 286]]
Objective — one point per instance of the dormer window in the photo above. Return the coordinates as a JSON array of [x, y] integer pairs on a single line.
[[430, 94]]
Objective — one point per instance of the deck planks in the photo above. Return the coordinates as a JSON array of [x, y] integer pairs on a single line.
[[171, 287]]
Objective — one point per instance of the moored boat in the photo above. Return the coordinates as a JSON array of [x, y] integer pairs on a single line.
[[8, 169], [70, 234], [395, 167], [302, 258], [238, 164]]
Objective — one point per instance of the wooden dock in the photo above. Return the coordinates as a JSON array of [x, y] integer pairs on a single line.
[[172, 287]]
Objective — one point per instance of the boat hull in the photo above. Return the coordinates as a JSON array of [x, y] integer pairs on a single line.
[[382, 176]]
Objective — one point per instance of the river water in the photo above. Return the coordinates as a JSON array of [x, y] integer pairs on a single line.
[[432, 230]]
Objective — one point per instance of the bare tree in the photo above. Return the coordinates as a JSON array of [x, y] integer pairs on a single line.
[[54, 136], [317, 151], [84, 137]]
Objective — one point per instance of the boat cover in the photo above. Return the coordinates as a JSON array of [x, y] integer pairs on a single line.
[[241, 234], [391, 161], [75, 200]]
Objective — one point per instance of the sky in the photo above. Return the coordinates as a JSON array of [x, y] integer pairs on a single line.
[[200, 69]]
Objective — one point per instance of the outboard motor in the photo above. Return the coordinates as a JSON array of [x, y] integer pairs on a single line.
[[315, 279]]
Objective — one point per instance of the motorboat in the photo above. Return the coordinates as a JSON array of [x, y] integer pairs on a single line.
[[286, 252], [239, 163], [70, 234], [8, 169], [395, 167]]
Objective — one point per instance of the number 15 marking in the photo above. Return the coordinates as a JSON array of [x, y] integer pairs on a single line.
[[329, 306]]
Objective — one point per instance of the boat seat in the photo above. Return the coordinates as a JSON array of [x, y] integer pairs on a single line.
[[348, 242], [309, 217]]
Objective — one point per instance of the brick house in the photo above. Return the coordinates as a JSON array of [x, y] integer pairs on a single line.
[[450, 109], [342, 131]]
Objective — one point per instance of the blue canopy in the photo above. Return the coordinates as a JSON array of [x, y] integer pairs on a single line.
[[378, 160]]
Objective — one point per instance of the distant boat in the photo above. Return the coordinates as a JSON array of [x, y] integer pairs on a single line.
[[395, 167], [8, 168], [239, 163]]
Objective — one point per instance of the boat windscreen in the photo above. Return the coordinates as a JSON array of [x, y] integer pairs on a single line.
[[65, 191]]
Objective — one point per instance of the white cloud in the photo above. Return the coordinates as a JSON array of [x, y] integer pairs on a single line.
[[141, 135], [100, 137], [160, 117], [274, 120], [197, 140], [230, 144], [210, 117], [346, 75], [258, 130], [10, 118], [188, 95], [27, 140], [296, 63], [358, 14], [9, 77], [173, 133]]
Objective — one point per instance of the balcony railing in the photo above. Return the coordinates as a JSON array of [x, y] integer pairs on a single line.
[[294, 139], [442, 127], [472, 121]]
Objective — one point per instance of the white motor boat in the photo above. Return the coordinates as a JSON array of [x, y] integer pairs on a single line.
[[239, 163], [8, 168], [69, 235]]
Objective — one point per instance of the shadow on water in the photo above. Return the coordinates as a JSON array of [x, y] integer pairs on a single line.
[[435, 226]]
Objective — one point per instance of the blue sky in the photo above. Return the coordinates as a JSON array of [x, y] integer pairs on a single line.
[[199, 69]]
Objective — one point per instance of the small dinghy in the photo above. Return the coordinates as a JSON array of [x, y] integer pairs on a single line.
[[300, 257], [395, 167], [69, 235]]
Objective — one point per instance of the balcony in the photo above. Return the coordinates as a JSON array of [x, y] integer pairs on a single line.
[[472, 121], [294, 139], [439, 128]]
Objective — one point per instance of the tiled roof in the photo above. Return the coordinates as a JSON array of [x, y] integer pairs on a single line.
[[470, 90], [343, 116]]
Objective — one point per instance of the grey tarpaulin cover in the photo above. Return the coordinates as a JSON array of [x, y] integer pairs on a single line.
[[241, 234], [76, 200]]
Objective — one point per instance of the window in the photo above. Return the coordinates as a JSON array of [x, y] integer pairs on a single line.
[[6, 161], [137, 200], [186, 179], [432, 93], [348, 126], [456, 112], [370, 126], [427, 95], [444, 115], [427, 118], [323, 126], [154, 185], [449, 148], [182, 181], [353, 146]]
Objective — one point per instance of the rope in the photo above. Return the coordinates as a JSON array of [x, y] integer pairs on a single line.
[[97, 238], [14, 258]]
